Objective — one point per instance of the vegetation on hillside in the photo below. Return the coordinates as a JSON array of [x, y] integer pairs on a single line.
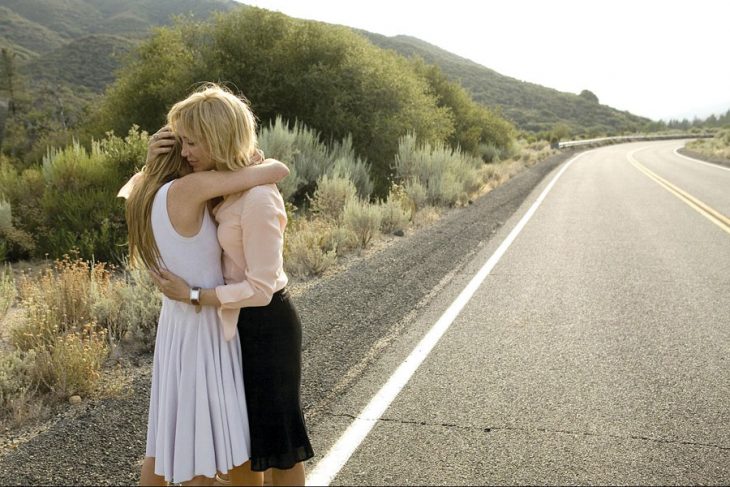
[[531, 107], [64, 54], [89, 62], [328, 77], [72, 19]]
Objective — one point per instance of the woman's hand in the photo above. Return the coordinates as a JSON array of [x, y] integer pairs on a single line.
[[171, 285], [161, 142]]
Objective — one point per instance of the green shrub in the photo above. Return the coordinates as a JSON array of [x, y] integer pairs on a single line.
[[80, 187], [363, 219], [348, 165], [70, 201], [448, 175], [140, 307], [489, 153], [331, 196], [329, 77], [307, 252], [416, 193], [16, 381], [338, 238], [309, 159], [394, 215]]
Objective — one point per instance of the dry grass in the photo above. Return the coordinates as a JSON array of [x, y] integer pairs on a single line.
[[7, 290], [68, 316], [716, 147]]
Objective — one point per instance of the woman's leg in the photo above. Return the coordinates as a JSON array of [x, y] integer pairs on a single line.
[[290, 476], [148, 475], [243, 475], [199, 480]]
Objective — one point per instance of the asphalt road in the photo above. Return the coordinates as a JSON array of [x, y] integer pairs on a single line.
[[596, 351]]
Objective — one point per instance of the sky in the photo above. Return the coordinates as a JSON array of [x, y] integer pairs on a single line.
[[658, 59]]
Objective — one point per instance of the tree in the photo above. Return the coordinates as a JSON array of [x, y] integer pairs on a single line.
[[328, 77], [7, 59], [589, 95], [475, 124]]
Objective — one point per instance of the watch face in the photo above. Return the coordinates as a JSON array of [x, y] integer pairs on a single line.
[[195, 296]]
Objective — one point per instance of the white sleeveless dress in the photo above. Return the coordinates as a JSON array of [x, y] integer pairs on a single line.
[[198, 422]]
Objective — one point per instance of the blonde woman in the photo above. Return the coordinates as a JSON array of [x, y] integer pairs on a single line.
[[198, 423], [254, 300]]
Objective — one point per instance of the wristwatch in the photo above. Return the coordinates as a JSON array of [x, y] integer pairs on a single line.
[[195, 296]]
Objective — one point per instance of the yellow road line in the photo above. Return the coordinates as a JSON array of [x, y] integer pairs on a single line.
[[702, 208]]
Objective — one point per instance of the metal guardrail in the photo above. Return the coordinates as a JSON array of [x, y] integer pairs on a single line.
[[625, 138]]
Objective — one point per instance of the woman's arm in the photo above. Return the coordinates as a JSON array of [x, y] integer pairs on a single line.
[[262, 222], [175, 287], [206, 185], [262, 225], [199, 187]]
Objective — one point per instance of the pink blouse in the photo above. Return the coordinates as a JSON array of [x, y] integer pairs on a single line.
[[251, 233]]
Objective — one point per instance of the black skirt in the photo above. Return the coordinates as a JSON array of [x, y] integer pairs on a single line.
[[271, 345]]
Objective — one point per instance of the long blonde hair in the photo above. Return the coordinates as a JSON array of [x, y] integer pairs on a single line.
[[222, 121], [138, 210]]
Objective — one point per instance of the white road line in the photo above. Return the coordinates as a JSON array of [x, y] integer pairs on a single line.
[[716, 166], [328, 467]]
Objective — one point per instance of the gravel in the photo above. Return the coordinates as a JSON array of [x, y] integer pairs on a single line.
[[102, 442]]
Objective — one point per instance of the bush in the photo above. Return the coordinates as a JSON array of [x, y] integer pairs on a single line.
[[68, 319], [71, 315], [718, 146], [447, 175], [17, 384], [309, 159], [7, 290], [349, 166], [416, 193], [58, 301], [73, 364], [139, 310], [6, 216], [489, 153], [331, 196], [81, 186], [70, 201], [308, 252], [394, 213], [363, 219], [329, 77]]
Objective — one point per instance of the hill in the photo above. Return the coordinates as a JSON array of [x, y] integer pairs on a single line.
[[530, 106], [26, 37], [80, 43], [73, 19], [89, 62]]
